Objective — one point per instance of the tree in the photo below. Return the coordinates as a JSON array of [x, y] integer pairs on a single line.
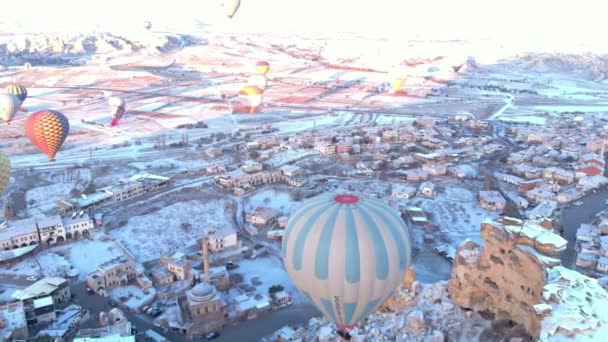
[[274, 289], [296, 195], [511, 210]]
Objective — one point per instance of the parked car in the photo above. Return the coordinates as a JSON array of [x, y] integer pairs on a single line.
[[32, 278], [156, 312], [90, 292], [231, 265], [145, 308], [211, 336]]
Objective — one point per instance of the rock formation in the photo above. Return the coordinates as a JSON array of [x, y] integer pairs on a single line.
[[516, 278]]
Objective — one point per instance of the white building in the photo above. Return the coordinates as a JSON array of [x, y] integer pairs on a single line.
[[222, 238], [404, 191], [427, 189], [492, 200], [18, 234], [251, 167], [325, 147], [77, 225], [435, 169], [261, 216], [51, 230]]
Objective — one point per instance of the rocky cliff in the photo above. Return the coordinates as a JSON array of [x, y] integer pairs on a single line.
[[516, 277]]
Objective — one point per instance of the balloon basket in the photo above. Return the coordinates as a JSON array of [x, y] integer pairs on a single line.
[[51, 160], [344, 335]]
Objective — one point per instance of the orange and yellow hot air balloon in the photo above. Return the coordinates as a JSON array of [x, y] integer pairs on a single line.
[[396, 78], [253, 95], [258, 80], [262, 67], [47, 129], [231, 6]]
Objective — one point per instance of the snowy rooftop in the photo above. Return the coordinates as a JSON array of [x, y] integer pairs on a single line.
[[219, 232], [491, 196], [93, 198], [68, 220], [49, 221], [42, 287], [138, 178], [109, 338], [578, 307], [20, 227], [264, 212], [15, 253]]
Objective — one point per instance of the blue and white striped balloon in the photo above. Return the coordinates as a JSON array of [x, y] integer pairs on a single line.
[[347, 253]]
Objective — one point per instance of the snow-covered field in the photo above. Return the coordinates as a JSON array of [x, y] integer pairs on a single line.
[[267, 271], [73, 258], [132, 296], [167, 230], [285, 157], [277, 200], [456, 213]]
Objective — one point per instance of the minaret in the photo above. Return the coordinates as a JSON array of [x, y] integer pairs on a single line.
[[206, 258]]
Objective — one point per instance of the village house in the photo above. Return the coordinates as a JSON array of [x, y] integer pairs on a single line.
[[113, 273], [514, 180], [55, 287], [595, 145], [180, 267], [402, 161], [587, 183], [51, 230], [290, 171], [427, 157], [416, 175], [427, 189], [585, 260], [593, 159], [492, 200], [325, 147], [282, 221], [221, 238], [435, 169], [238, 178], [213, 168], [538, 195], [281, 298], [252, 167], [21, 233], [78, 225], [261, 216], [559, 175], [569, 195], [544, 209], [252, 145], [404, 191], [573, 151], [213, 152], [417, 216], [602, 264], [589, 170]]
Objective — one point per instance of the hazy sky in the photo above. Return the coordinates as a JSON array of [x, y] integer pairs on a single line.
[[557, 21]]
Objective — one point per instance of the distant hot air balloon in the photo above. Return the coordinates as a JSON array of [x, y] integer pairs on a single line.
[[147, 25], [262, 67], [118, 108], [253, 95], [9, 104], [431, 72], [5, 172], [47, 129], [259, 81], [231, 6], [347, 253], [457, 61], [396, 78], [17, 90]]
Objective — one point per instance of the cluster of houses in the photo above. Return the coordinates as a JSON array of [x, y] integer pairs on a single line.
[[45, 230], [592, 246], [251, 173], [135, 186]]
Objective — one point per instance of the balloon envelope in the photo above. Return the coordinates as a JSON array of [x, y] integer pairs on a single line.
[[47, 129], [253, 95], [259, 81], [9, 104], [262, 67], [5, 172], [231, 6], [347, 253], [18, 90]]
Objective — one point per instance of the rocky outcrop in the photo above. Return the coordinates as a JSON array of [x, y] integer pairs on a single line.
[[516, 278]]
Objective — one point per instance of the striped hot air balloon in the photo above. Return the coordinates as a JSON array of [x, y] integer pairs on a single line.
[[262, 67], [9, 104], [47, 129], [17, 90], [347, 253], [259, 81], [253, 96], [5, 172]]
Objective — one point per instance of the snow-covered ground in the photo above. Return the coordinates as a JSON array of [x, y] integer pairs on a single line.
[[81, 255], [535, 120], [282, 158], [277, 200], [457, 214], [265, 272], [166, 230]]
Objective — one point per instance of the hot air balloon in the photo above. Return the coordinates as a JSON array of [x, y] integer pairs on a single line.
[[259, 81], [47, 129], [5, 171], [253, 95], [262, 67], [231, 6], [397, 78], [347, 253], [9, 104], [456, 62], [147, 25], [17, 90], [117, 107]]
